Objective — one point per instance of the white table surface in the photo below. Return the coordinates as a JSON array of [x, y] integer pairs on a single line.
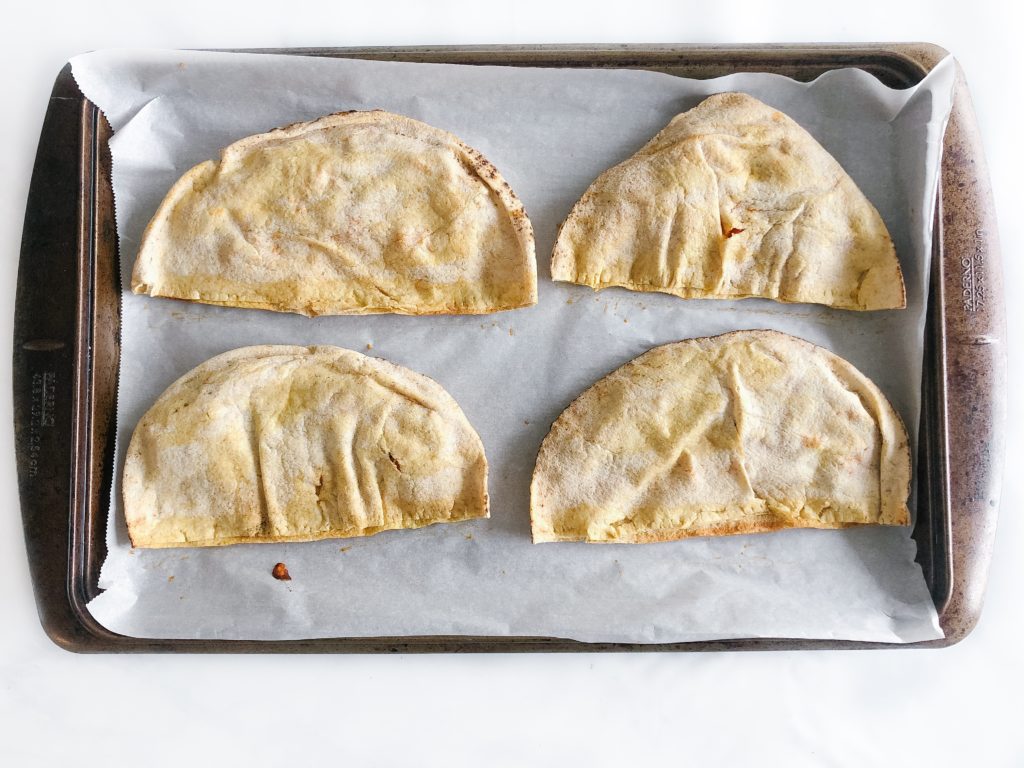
[[958, 706]]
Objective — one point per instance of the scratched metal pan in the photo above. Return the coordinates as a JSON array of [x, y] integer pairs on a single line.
[[67, 328]]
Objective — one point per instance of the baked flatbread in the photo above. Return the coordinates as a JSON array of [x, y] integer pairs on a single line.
[[746, 432], [731, 200], [281, 443], [354, 213]]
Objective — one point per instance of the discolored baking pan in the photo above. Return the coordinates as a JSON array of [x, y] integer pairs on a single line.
[[66, 345]]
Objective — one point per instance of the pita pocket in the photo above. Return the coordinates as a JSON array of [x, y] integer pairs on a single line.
[[746, 432], [732, 200], [282, 443], [354, 213]]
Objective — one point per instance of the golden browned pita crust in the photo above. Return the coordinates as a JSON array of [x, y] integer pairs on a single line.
[[281, 443], [746, 432], [354, 213], [731, 200]]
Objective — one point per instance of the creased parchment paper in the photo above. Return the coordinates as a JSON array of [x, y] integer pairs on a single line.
[[550, 132]]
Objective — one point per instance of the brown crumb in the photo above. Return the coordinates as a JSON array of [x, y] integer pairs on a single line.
[[526, 422], [469, 536], [345, 549], [733, 231], [369, 345], [280, 572], [511, 331], [625, 319], [170, 579]]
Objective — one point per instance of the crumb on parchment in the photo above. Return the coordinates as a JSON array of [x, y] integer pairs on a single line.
[[280, 572]]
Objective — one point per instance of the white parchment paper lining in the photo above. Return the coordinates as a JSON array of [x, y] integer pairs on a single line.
[[550, 132]]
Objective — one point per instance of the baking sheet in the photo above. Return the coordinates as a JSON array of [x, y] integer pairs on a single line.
[[550, 132]]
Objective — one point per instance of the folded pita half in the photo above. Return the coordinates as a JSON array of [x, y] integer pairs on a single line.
[[731, 200], [354, 213], [751, 431], [281, 443]]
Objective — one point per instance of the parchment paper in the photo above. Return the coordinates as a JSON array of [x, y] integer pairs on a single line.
[[550, 132]]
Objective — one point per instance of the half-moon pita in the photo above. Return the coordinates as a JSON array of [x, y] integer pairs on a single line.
[[354, 213], [733, 199], [281, 443], [746, 432]]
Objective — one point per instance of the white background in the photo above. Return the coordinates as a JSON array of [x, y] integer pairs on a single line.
[[951, 707]]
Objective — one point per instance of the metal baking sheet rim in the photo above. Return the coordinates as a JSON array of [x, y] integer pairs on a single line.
[[66, 348]]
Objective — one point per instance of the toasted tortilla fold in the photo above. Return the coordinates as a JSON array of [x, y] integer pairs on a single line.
[[741, 433], [282, 443], [354, 213], [732, 200]]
